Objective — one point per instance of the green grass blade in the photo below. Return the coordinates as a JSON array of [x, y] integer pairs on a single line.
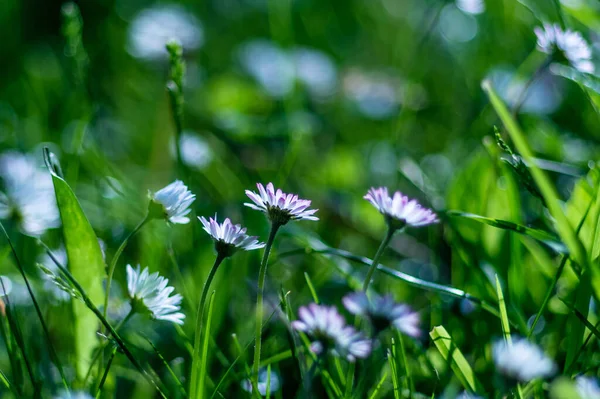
[[503, 313], [85, 264], [564, 228], [311, 287], [394, 371], [540, 235], [169, 369], [453, 355], [379, 385], [206, 340]]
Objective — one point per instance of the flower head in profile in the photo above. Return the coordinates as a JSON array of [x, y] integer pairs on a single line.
[[229, 237], [171, 203], [383, 312], [264, 380], [29, 194], [522, 361], [399, 210], [566, 46], [150, 292], [587, 387], [279, 206], [329, 332]]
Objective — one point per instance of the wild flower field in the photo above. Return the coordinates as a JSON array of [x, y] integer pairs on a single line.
[[300, 199]]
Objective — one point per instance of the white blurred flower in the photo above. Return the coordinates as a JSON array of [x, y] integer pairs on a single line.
[[172, 203], [279, 206], [471, 6], [5, 286], [522, 361], [151, 291], [29, 194], [329, 332], [73, 395], [195, 152], [587, 388], [263, 378], [229, 237], [570, 45], [384, 312], [375, 94], [277, 69], [153, 27], [399, 210]]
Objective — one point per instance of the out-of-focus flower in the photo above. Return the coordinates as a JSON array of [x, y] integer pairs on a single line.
[[375, 94], [383, 312], [29, 194], [471, 6], [587, 388], [566, 45], [153, 27], [279, 206], [195, 152], [5, 286], [73, 395], [150, 292], [399, 210], [171, 203], [277, 69], [229, 237], [264, 378], [522, 361], [329, 332]]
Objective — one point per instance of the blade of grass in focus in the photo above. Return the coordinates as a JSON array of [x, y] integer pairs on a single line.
[[451, 353]]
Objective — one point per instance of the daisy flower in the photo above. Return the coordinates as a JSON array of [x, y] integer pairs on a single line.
[[522, 361], [383, 312], [399, 210], [565, 45], [171, 203], [29, 194], [279, 206], [328, 331], [229, 237], [150, 291]]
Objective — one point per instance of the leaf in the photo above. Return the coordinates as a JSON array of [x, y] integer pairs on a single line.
[[453, 355], [537, 234], [206, 335], [586, 80], [503, 313], [85, 264]]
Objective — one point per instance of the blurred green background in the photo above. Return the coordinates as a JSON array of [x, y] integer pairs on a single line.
[[323, 98]]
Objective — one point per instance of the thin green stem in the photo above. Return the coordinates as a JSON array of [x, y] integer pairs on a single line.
[[382, 247], [113, 263], [194, 389], [262, 274], [384, 243], [106, 370], [38, 311]]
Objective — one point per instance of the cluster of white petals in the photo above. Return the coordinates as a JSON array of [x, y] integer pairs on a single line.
[[522, 360], [279, 206], [152, 290], [383, 312], [552, 39], [400, 209], [328, 331], [229, 237], [173, 202]]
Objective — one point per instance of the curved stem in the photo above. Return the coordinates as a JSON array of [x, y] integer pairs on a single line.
[[198, 333], [384, 243], [382, 247], [523, 95], [262, 274], [113, 263]]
